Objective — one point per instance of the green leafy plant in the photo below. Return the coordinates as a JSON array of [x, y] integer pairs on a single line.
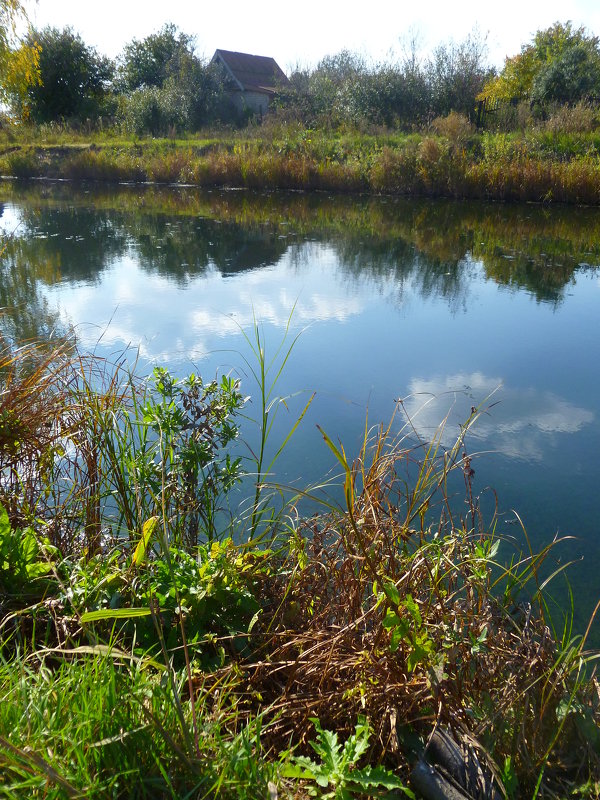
[[404, 622], [23, 557], [193, 425], [209, 593], [337, 770], [160, 448]]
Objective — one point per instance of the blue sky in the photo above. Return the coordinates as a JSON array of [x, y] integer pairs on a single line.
[[303, 32]]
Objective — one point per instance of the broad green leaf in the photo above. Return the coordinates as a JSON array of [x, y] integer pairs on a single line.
[[302, 768], [391, 619], [391, 592], [4, 523], [37, 569], [29, 546], [358, 743], [379, 777], [395, 639], [410, 605]]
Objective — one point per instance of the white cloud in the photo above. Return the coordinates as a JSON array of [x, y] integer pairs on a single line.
[[136, 309], [513, 421]]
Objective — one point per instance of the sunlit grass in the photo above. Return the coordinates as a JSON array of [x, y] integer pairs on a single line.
[[148, 651], [448, 161]]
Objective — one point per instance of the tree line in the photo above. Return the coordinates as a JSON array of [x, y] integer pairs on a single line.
[[159, 85]]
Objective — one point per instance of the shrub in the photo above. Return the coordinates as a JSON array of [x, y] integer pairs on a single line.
[[455, 127], [580, 118], [22, 164]]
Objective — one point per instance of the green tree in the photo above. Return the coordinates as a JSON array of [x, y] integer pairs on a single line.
[[151, 61], [165, 86], [74, 78], [388, 95], [456, 73], [560, 64]]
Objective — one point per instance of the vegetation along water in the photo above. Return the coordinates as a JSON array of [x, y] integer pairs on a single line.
[[176, 515], [298, 489]]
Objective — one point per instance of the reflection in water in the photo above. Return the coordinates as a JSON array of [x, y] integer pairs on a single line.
[[394, 298], [392, 247], [515, 422]]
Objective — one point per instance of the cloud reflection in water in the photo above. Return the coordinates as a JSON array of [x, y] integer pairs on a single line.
[[515, 422]]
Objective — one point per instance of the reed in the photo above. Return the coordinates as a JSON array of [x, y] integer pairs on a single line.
[[181, 658], [449, 160]]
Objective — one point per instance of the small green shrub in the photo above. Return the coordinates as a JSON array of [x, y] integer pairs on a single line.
[[24, 558], [22, 164], [338, 770], [210, 594]]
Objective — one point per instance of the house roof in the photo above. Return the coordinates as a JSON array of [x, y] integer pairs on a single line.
[[252, 73]]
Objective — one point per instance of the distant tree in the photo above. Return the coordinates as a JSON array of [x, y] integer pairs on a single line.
[[456, 74], [196, 88], [74, 78], [390, 95], [19, 61], [571, 76], [165, 86], [560, 64], [330, 84], [152, 60], [344, 88]]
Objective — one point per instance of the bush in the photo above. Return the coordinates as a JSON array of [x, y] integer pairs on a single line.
[[580, 118], [143, 112], [455, 127]]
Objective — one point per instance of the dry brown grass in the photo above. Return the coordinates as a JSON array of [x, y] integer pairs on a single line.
[[579, 118], [455, 127], [378, 612]]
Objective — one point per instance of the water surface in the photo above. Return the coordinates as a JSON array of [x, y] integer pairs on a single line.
[[446, 305]]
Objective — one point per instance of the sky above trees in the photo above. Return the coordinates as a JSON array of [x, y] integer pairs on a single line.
[[302, 33]]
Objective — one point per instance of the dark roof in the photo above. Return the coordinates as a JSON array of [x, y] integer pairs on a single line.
[[252, 73]]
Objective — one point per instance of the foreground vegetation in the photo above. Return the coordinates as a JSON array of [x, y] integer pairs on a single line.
[[161, 638]]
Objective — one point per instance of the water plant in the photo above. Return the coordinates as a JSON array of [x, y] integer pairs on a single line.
[[390, 607]]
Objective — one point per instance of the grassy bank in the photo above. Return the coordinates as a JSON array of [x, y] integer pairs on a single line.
[[160, 639], [452, 161]]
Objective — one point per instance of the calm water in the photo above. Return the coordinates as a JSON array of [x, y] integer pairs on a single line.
[[442, 304]]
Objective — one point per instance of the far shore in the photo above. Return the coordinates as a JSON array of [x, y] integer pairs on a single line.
[[529, 167]]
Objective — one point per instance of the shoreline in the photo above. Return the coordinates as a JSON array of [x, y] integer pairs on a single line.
[[487, 167]]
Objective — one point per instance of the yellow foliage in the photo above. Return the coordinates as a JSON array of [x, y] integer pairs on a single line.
[[515, 80], [20, 70], [19, 62]]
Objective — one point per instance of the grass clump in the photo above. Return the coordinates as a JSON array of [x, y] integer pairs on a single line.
[[106, 725], [151, 649]]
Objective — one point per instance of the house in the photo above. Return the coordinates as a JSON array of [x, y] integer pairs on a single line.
[[252, 81]]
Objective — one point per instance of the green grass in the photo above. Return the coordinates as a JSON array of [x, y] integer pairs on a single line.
[[538, 165], [104, 725]]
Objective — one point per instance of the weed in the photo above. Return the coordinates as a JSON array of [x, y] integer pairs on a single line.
[[189, 655], [338, 768]]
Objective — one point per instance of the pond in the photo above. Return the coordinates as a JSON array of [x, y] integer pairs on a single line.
[[446, 305]]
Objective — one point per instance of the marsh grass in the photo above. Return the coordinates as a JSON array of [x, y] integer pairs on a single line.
[[448, 160], [184, 662], [413, 624]]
